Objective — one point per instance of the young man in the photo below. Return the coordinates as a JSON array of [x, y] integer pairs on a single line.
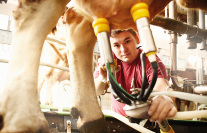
[[124, 46]]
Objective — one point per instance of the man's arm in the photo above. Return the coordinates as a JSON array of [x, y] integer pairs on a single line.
[[163, 85], [100, 85], [100, 78]]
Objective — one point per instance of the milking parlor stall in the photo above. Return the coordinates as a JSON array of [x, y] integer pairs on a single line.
[[176, 34]]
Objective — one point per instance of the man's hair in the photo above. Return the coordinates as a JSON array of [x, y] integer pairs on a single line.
[[115, 32]]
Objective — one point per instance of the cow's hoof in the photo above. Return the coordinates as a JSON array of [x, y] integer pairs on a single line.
[[40, 130], [1, 122], [75, 113], [1, 118], [96, 126], [37, 127]]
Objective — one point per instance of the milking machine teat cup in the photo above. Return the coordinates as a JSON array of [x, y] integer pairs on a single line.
[[102, 30]]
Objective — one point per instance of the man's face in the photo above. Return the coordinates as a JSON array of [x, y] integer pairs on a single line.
[[124, 46]]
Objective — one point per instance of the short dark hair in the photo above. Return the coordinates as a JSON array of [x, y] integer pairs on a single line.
[[115, 32]]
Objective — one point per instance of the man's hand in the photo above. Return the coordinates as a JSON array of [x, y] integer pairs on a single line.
[[161, 108], [101, 80], [102, 69]]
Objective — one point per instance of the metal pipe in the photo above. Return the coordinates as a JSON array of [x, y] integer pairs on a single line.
[[54, 66], [180, 27], [173, 66], [181, 95], [57, 52], [173, 57], [173, 45], [69, 126], [191, 21], [43, 64], [202, 26], [180, 10], [199, 71], [173, 10], [56, 40], [166, 11]]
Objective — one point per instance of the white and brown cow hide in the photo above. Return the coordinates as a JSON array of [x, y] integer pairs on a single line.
[[34, 19]]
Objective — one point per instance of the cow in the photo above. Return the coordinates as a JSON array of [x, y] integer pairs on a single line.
[[34, 19], [48, 76], [55, 54]]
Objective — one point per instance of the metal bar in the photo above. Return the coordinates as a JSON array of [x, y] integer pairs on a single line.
[[43, 64], [173, 49], [52, 107], [69, 126], [191, 42], [57, 52], [202, 26], [173, 37], [199, 70], [180, 27], [56, 40]]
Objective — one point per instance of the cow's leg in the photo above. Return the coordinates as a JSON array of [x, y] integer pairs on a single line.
[[19, 105], [81, 40]]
